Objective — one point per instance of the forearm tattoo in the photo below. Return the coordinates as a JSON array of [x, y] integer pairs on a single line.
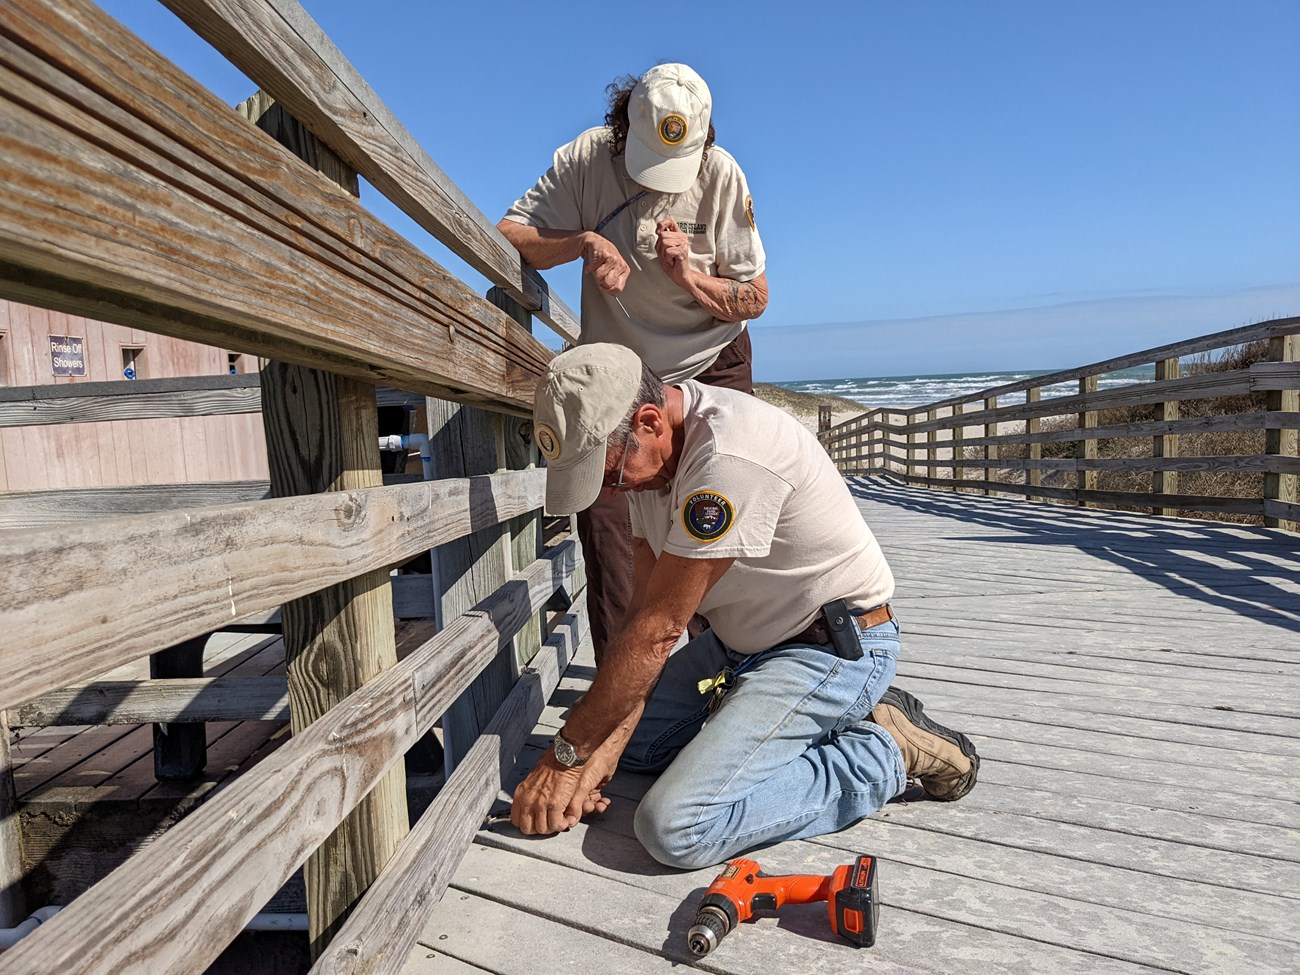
[[743, 300]]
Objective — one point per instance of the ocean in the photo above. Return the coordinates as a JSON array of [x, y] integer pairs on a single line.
[[919, 390]]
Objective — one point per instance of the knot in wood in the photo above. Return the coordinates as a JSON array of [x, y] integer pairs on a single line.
[[351, 512]]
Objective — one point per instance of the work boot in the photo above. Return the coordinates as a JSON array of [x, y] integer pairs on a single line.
[[943, 760]]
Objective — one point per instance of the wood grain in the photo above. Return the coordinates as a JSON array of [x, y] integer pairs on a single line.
[[385, 926], [132, 194], [228, 858], [174, 700], [22, 406], [13, 905], [174, 575], [279, 46]]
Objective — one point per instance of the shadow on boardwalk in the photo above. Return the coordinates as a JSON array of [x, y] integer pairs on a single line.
[[1232, 567]]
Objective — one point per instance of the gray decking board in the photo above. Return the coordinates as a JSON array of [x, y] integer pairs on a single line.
[[1124, 821]]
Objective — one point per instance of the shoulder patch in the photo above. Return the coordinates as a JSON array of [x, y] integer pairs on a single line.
[[707, 516], [749, 211]]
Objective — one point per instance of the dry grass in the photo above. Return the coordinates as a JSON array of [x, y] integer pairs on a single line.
[[804, 404]]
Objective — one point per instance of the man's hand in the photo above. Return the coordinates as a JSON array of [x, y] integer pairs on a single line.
[[537, 802], [544, 802], [604, 263], [674, 250]]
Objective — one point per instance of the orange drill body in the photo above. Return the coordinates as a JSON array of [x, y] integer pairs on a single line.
[[742, 888]]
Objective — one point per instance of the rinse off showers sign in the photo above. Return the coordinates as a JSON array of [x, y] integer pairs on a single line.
[[68, 355]]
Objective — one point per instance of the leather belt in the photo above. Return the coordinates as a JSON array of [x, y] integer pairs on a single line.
[[817, 634]]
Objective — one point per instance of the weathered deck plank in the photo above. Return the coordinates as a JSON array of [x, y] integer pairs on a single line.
[[1131, 683]]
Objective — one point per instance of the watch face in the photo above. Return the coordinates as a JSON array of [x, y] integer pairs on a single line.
[[565, 753]]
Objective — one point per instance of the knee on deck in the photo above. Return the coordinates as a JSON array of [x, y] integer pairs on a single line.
[[668, 836]]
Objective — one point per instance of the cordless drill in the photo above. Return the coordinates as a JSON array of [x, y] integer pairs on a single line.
[[742, 888]]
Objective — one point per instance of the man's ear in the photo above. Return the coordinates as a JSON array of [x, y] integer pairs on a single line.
[[650, 418]]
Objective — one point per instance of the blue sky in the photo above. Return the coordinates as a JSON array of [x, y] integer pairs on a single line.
[[941, 185]]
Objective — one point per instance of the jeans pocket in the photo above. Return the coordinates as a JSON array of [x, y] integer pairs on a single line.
[[878, 665]]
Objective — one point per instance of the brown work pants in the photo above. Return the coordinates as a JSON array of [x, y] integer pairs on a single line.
[[605, 529]]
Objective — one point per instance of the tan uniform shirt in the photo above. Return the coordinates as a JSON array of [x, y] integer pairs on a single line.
[[664, 325], [753, 484]]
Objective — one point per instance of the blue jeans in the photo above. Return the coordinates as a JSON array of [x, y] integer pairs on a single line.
[[790, 752]]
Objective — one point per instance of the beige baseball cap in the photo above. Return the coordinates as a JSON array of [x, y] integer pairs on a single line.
[[668, 122], [580, 400]]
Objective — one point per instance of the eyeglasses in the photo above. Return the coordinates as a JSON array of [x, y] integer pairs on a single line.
[[622, 464]]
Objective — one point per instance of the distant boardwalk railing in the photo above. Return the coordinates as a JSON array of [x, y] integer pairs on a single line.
[[131, 195], [1224, 404]]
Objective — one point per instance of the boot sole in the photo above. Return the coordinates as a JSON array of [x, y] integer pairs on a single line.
[[915, 712]]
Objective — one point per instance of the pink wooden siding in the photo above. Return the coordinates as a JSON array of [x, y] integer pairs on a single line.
[[118, 452]]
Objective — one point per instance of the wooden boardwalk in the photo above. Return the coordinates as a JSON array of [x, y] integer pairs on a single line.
[[1131, 684]]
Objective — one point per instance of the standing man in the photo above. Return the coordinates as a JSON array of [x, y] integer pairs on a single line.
[[673, 266], [779, 722]]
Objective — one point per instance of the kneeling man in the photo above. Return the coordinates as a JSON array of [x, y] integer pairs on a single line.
[[777, 723]]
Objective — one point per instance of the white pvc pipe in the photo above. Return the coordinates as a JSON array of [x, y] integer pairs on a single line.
[[10, 936], [261, 922], [411, 441]]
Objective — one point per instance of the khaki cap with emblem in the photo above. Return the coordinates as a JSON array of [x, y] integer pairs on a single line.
[[668, 122], [581, 398]]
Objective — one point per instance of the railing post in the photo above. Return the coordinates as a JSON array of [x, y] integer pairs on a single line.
[[931, 444], [1087, 448], [913, 438], [990, 450], [12, 903], [180, 749], [466, 441], [958, 448], [520, 454], [1282, 443], [1033, 427], [1165, 445], [322, 434]]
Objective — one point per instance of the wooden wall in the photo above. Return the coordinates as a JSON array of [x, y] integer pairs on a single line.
[[119, 452]]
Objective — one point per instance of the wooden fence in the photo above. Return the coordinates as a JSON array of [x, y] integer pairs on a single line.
[[1166, 431], [131, 195]]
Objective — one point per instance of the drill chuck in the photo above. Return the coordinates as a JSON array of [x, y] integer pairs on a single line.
[[711, 925]]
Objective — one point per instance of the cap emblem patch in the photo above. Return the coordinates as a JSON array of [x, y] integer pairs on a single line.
[[672, 130], [707, 516], [547, 441]]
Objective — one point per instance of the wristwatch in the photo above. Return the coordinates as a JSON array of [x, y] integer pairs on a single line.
[[565, 753]]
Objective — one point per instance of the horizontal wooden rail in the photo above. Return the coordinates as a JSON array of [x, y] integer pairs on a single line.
[[40, 509], [1260, 377], [132, 195], [928, 445], [1230, 462], [96, 595], [278, 45], [229, 857], [178, 699], [1265, 420], [43, 509], [143, 399], [380, 933], [1205, 343]]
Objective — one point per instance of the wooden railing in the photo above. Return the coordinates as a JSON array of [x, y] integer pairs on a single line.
[[131, 195], [1161, 431]]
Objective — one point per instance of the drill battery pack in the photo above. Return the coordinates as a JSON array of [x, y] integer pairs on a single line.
[[854, 907]]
